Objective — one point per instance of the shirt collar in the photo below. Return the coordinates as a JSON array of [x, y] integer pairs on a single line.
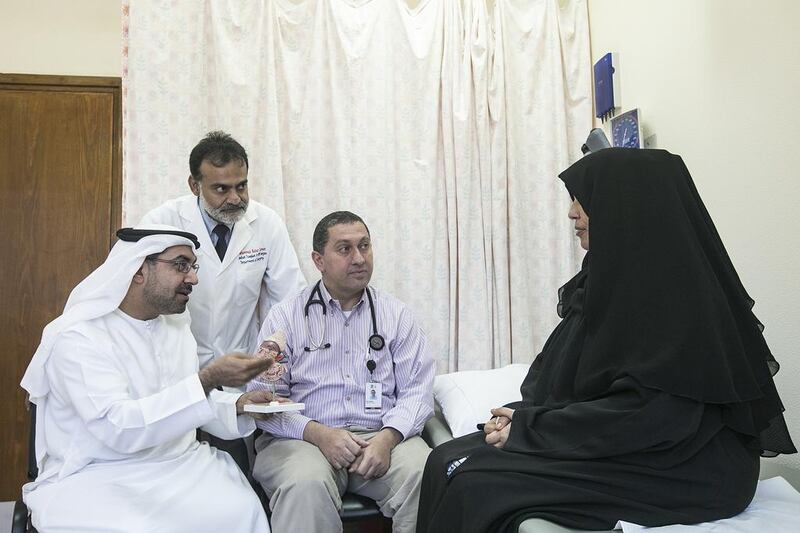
[[147, 324], [329, 300], [210, 222]]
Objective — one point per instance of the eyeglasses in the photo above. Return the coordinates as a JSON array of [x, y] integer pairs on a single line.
[[181, 266]]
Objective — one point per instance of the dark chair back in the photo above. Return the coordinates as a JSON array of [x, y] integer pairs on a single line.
[[33, 470], [21, 520]]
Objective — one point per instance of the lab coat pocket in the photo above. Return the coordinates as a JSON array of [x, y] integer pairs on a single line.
[[248, 282]]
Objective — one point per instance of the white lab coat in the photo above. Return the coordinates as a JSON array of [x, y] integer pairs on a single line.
[[260, 268], [120, 452]]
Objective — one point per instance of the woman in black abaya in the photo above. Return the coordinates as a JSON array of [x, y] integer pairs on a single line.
[[652, 400]]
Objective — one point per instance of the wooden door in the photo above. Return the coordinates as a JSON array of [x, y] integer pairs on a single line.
[[60, 202]]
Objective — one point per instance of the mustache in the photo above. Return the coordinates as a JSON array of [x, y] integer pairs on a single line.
[[186, 289], [230, 207]]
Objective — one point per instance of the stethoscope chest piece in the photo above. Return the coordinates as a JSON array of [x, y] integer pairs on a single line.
[[376, 342]]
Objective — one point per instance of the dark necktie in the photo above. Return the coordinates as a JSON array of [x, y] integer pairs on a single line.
[[221, 231]]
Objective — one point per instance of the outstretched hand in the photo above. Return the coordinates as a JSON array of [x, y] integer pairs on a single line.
[[233, 370]]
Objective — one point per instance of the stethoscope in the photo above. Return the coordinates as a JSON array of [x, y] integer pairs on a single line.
[[376, 341]]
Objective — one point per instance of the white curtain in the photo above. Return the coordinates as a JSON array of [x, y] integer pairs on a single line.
[[443, 125]]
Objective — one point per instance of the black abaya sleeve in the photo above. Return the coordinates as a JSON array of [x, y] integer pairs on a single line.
[[626, 420]]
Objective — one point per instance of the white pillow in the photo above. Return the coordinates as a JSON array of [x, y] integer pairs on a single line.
[[467, 397]]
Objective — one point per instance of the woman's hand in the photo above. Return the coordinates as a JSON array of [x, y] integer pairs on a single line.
[[498, 428], [497, 423]]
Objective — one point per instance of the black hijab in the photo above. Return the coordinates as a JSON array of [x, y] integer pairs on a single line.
[[659, 298]]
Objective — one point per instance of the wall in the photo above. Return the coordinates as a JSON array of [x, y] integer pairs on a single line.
[[717, 82], [79, 37]]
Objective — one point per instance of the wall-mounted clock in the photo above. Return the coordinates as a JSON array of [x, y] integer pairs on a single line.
[[626, 130]]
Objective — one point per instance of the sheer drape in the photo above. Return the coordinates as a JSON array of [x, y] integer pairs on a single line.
[[443, 125]]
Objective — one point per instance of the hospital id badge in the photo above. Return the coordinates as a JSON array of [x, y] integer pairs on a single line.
[[372, 396]]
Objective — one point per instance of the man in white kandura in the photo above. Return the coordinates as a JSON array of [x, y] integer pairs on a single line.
[[247, 260], [119, 397], [358, 360]]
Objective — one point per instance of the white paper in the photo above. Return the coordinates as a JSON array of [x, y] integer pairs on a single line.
[[267, 408]]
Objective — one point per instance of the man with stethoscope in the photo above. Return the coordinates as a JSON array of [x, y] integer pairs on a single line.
[[359, 362]]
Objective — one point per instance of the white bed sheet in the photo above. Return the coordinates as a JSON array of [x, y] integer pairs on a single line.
[[775, 509]]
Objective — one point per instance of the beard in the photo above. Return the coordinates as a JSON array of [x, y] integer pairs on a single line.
[[226, 213], [165, 300]]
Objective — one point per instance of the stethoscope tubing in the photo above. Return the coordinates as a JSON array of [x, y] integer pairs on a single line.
[[376, 341]]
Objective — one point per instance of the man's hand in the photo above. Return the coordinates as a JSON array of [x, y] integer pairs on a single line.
[[498, 428], [233, 370], [376, 458], [257, 396], [340, 447]]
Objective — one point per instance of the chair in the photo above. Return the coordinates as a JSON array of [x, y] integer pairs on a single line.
[[356, 508], [21, 520]]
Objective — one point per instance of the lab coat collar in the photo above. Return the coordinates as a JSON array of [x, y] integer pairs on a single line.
[[190, 213]]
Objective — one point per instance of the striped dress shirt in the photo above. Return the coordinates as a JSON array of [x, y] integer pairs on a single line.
[[331, 381]]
